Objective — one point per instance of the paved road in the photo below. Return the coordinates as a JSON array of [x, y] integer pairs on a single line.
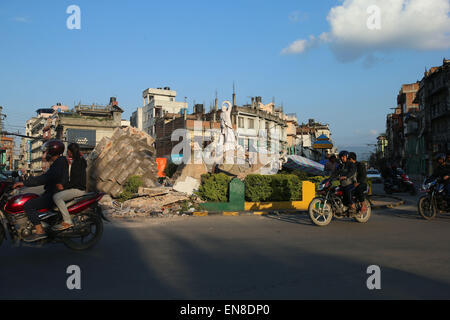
[[275, 257]]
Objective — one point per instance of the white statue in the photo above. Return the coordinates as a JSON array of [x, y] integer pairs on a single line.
[[228, 136]]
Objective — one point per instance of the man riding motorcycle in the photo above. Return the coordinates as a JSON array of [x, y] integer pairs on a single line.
[[442, 172], [347, 177], [57, 174], [361, 181]]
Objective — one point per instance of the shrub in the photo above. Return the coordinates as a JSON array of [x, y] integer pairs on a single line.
[[258, 188], [214, 187], [131, 188], [170, 169], [282, 187]]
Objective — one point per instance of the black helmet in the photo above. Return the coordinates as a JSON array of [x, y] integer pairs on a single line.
[[440, 156], [343, 154], [53, 148]]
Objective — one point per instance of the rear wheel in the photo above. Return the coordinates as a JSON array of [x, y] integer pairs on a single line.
[[364, 217], [426, 208], [90, 234], [320, 212]]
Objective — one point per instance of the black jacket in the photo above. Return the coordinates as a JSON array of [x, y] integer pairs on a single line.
[[348, 170], [78, 174], [441, 171], [361, 176], [58, 173]]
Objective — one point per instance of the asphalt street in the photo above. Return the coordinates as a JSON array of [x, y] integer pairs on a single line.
[[247, 257]]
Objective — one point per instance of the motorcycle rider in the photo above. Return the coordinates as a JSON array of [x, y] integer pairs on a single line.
[[55, 175], [442, 171], [361, 181], [347, 177]]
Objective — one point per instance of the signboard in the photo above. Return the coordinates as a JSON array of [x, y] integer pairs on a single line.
[[85, 138], [29, 151]]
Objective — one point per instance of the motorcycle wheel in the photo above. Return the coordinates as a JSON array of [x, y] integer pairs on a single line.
[[87, 242], [365, 217], [426, 209], [320, 213]]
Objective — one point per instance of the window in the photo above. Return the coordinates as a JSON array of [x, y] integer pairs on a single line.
[[240, 122], [251, 123]]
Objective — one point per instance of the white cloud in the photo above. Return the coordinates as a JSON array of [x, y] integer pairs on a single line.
[[404, 24], [21, 19]]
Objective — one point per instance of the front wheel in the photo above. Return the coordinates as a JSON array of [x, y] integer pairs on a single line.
[[320, 212], [426, 208], [364, 217]]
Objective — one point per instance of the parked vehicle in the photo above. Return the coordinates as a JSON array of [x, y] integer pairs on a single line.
[[399, 183], [374, 175], [86, 215], [434, 201], [329, 204]]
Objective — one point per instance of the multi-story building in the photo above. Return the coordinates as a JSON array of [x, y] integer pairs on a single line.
[[6, 153], [252, 123], [433, 118], [85, 124], [307, 135], [157, 103]]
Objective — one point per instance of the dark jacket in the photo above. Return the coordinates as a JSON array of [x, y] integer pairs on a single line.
[[58, 173], [348, 170], [77, 174], [361, 173], [442, 171]]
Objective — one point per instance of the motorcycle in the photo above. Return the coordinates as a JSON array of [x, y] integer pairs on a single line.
[[86, 214], [435, 199], [399, 183], [330, 204]]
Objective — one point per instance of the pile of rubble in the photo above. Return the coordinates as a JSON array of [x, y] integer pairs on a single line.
[[127, 153], [151, 202], [130, 152]]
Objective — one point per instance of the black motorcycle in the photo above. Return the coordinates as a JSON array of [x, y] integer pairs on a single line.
[[435, 199], [399, 183], [329, 204]]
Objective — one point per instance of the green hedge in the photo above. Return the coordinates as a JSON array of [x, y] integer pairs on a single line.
[[214, 187]]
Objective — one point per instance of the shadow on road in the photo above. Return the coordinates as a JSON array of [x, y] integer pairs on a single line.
[[197, 260]]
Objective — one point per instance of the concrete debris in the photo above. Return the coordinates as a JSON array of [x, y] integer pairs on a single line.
[[127, 153], [188, 178], [165, 204]]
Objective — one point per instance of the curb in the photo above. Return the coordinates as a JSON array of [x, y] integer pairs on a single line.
[[387, 206], [242, 213]]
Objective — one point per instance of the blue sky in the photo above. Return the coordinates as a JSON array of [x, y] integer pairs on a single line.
[[197, 47]]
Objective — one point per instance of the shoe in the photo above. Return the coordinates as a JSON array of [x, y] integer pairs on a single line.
[[62, 226], [363, 207], [35, 237]]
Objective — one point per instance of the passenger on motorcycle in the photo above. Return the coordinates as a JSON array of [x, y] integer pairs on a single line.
[[442, 172], [56, 174], [361, 181], [347, 177]]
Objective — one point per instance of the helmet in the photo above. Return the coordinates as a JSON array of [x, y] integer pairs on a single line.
[[53, 148], [343, 154], [440, 156]]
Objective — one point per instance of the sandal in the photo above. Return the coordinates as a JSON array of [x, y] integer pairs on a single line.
[[62, 226]]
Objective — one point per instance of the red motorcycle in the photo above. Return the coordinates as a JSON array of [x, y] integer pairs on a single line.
[[86, 214]]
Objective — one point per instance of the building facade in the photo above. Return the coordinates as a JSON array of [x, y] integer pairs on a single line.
[[157, 103]]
